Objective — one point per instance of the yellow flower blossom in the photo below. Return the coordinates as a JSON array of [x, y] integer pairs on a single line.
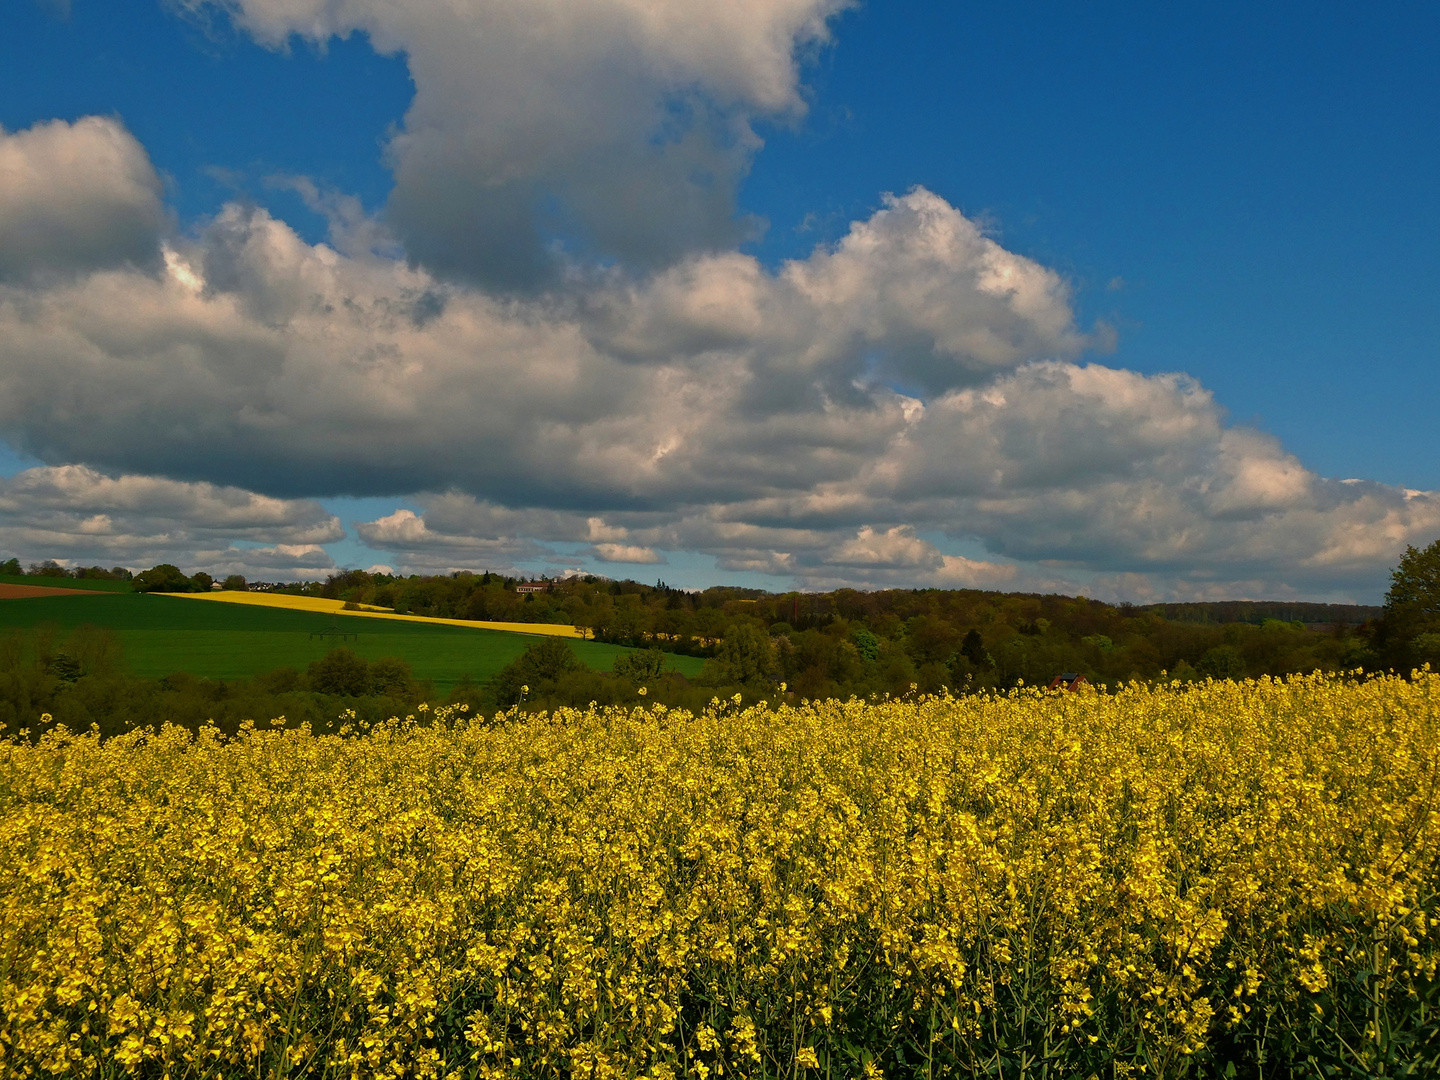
[[1110, 884]]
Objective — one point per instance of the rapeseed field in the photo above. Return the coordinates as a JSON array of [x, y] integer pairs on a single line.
[[1218, 879], [291, 602]]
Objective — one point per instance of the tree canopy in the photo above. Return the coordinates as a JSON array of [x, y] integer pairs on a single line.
[[1409, 631]]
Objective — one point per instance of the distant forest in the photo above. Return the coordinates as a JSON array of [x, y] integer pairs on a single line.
[[843, 643], [850, 642]]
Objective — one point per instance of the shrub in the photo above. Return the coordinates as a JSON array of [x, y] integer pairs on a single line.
[[640, 667], [340, 671], [1222, 662], [539, 667]]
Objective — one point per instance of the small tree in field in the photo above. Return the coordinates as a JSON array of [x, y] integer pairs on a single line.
[[340, 671], [166, 577], [641, 666], [1409, 631], [745, 655], [539, 667]]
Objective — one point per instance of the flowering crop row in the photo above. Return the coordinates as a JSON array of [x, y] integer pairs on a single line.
[[1162, 882]]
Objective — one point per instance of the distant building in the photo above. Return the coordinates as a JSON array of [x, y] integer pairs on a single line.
[[1069, 680], [534, 586]]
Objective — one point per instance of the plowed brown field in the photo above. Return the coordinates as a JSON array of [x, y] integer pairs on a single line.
[[19, 592]]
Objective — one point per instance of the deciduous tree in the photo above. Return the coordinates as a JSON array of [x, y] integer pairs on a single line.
[[1409, 631], [163, 578]]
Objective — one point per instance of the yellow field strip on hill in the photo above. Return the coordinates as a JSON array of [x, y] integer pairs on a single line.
[[337, 607]]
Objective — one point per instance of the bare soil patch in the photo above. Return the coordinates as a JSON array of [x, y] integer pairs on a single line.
[[20, 592]]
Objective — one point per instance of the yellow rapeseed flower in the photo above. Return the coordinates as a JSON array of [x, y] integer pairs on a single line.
[[1110, 884]]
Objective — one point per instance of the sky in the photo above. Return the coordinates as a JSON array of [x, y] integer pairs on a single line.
[[1137, 301]]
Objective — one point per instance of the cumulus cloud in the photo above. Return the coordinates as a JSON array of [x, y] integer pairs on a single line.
[[840, 419], [272, 364], [1145, 531], [621, 127], [898, 553], [76, 515], [434, 550], [626, 553], [283, 562], [914, 295], [76, 197]]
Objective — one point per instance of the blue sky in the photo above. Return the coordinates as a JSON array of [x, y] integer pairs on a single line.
[[1241, 193], [1260, 177]]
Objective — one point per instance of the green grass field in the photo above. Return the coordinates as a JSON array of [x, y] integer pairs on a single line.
[[90, 584], [163, 635]]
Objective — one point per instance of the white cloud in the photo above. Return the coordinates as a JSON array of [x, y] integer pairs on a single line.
[[626, 553], [623, 126], [75, 197], [76, 515], [898, 547], [282, 562], [949, 303], [265, 362], [430, 550], [898, 556], [712, 406], [915, 294]]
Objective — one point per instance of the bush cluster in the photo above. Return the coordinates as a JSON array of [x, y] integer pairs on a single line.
[[49, 679]]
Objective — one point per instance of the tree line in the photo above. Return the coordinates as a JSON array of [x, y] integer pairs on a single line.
[[889, 642], [51, 569], [850, 643]]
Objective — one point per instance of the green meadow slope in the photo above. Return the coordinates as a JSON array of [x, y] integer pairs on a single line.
[[163, 635]]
